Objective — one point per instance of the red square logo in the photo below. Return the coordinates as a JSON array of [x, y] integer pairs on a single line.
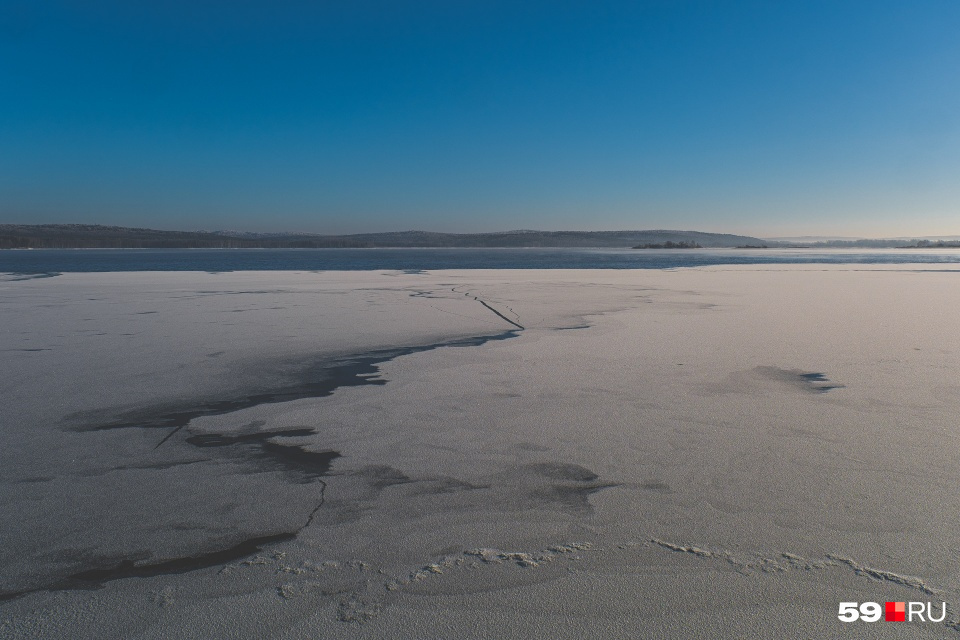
[[896, 612]]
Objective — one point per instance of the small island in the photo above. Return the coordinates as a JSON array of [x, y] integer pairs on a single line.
[[670, 245]]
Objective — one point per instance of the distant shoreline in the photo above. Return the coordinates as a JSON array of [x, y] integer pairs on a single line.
[[59, 236], [79, 236]]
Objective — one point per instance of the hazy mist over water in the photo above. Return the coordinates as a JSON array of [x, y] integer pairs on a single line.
[[99, 260]]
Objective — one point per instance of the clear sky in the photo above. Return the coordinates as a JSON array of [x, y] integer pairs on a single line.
[[767, 118]]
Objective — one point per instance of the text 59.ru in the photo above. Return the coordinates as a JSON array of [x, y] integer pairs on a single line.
[[891, 612]]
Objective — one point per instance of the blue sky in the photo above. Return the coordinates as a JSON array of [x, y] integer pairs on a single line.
[[767, 118]]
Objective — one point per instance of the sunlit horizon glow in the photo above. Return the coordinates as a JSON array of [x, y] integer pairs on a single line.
[[815, 118]]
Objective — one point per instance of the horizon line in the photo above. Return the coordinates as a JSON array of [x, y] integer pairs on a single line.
[[777, 238]]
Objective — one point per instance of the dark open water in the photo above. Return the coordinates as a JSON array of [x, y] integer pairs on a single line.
[[66, 260]]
